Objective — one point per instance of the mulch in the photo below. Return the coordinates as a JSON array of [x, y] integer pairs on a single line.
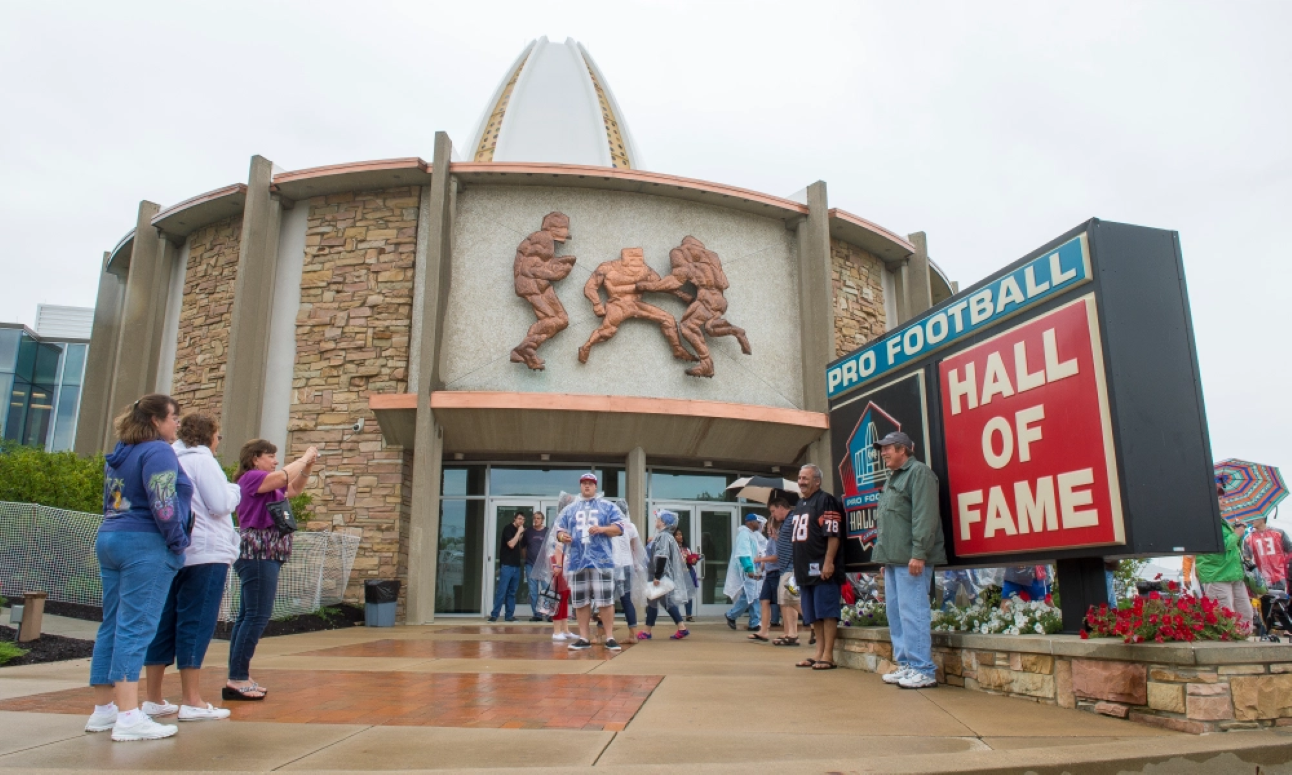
[[47, 648], [348, 616]]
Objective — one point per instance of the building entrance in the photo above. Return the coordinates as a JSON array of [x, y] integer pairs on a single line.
[[501, 515]]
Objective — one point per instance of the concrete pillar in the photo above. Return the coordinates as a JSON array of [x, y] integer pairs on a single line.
[[249, 327], [135, 371], [816, 317], [635, 489], [436, 220], [163, 367], [901, 303], [918, 284], [96, 415]]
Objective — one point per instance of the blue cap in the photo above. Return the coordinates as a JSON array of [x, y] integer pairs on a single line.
[[751, 517]]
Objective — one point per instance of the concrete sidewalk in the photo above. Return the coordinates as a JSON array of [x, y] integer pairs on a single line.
[[466, 696]]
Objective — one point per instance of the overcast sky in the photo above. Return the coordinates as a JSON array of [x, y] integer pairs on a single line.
[[993, 127]]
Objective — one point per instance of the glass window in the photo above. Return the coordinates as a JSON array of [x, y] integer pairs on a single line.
[[537, 482], [17, 411], [461, 557], [6, 389], [64, 434], [74, 364], [9, 348], [689, 486], [46, 366], [39, 414], [26, 363], [462, 480], [614, 482]]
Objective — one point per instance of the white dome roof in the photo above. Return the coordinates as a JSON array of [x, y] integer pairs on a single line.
[[553, 105]]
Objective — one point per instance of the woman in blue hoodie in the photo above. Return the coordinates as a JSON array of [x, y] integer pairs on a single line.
[[140, 547]]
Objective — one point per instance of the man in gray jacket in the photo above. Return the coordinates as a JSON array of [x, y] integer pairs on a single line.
[[909, 544]]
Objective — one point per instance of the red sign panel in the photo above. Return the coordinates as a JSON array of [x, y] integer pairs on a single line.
[[1030, 458]]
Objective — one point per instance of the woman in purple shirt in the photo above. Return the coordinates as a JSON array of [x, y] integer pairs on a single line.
[[264, 550]]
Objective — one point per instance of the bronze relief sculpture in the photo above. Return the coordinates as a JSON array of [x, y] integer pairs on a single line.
[[695, 264], [537, 267], [622, 279]]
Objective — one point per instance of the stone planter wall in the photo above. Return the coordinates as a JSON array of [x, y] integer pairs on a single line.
[[1201, 687]]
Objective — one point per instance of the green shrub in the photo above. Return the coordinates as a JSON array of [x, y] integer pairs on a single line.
[[9, 651], [62, 480]]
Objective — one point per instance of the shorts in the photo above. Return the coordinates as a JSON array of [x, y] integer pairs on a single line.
[[787, 600], [821, 601], [563, 607], [592, 586], [771, 583]]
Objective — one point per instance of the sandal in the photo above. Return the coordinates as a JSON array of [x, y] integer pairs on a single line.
[[785, 640], [245, 693], [806, 663], [756, 636], [823, 665]]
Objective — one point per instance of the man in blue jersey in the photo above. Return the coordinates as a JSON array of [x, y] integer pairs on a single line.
[[586, 527]]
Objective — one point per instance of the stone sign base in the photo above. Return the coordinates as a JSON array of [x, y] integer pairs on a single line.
[[1188, 687]]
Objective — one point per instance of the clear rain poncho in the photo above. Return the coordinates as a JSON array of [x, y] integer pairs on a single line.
[[749, 544], [541, 577], [665, 545], [631, 570]]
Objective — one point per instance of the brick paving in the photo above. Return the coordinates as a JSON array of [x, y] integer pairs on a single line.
[[488, 700], [464, 649]]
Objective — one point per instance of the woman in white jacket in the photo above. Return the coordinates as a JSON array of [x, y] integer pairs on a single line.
[[188, 619]]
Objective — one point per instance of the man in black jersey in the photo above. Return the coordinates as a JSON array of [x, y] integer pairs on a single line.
[[817, 523]]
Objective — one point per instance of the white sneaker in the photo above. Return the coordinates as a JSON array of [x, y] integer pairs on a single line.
[[914, 680], [101, 722], [143, 729], [558, 636], [209, 713], [163, 708], [896, 676], [571, 636]]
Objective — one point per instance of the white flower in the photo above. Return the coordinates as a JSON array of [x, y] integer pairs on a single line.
[[1040, 630]]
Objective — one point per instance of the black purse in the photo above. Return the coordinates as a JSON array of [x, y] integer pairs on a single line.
[[281, 513]]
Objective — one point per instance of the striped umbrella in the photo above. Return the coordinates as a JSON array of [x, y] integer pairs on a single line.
[[1252, 490]]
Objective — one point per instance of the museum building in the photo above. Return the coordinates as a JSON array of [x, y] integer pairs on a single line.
[[462, 338]]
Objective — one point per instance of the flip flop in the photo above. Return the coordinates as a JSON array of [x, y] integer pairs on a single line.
[[230, 693], [827, 665], [756, 636], [810, 663], [785, 641]]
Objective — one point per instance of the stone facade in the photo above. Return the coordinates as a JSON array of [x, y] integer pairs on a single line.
[[352, 340], [857, 277], [1211, 687], [201, 351]]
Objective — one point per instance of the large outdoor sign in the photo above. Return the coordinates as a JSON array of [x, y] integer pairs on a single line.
[[1058, 402], [1029, 443]]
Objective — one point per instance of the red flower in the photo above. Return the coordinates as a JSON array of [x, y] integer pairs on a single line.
[[1172, 586], [1154, 595], [1085, 635], [1158, 577]]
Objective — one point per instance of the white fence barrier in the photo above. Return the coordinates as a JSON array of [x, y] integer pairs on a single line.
[[52, 550]]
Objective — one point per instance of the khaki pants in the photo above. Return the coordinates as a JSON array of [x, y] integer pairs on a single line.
[[1232, 595]]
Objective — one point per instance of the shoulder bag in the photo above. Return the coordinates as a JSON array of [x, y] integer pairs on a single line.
[[281, 513]]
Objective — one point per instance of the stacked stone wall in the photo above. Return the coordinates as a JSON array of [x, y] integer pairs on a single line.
[[206, 311], [857, 278], [1223, 687], [352, 340]]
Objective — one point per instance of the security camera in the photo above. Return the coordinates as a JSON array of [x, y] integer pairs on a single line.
[[358, 426]]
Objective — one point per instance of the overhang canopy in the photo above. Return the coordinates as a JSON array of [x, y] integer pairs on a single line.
[[529, 423]]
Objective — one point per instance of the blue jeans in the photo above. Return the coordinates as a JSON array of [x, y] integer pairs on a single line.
[[188, 618], [652, 613], [742, 604], [259, 587], [136, 569], [533, 590], [906, 601], [508, 584]]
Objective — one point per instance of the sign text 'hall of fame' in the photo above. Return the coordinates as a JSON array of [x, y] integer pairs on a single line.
[[1030, 457]]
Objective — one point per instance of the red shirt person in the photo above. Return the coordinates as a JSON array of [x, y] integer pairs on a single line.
[[1270, 550]]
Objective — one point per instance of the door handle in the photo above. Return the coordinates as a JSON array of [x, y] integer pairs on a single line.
[[700, 568]]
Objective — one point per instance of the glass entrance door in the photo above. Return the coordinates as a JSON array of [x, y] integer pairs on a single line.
[[710, 532], [502, 513]]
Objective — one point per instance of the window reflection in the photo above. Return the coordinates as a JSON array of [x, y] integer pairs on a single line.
[[461, 557], [690, 486]]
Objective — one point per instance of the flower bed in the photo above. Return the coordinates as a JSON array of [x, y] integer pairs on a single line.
[[865, 613], [1015, 617], [1174, 618]]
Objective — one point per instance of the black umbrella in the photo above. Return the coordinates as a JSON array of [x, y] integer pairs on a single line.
[[763, 488]]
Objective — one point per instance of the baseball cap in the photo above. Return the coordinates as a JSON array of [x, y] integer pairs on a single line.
[[751, 517], [896, 437], [588, 477]]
